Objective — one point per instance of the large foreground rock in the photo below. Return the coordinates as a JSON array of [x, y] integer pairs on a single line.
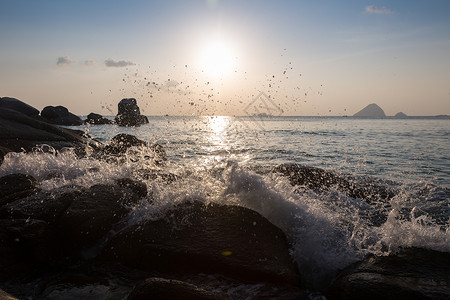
[[60, 115], [94, 212], [217, 239], [17, 105], [16, 186], [20, 132], [129, 113], [411, 274]]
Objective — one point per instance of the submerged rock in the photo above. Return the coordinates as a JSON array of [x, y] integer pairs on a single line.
[[411, 274], [129, 113], [119, 145], [319, 179], [59, 115], [97, 119], [194, 237]]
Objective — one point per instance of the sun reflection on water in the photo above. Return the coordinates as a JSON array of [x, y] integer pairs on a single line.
[[218, 127]]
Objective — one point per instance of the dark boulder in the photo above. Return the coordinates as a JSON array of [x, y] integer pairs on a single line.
[[160, 288], [97, 119], [137, 187], [129, 113], [17, 105], [94, 212], [16, 186], [198, 238], [59, 115], [20, 132], [411, 274], [47, 206]]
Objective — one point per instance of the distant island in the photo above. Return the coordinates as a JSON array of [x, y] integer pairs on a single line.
[[371, 110], [400, 115]]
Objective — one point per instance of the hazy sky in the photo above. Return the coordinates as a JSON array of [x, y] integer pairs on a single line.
[[216, 57]]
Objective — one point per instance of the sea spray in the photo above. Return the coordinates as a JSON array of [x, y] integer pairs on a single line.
[[328, 230]]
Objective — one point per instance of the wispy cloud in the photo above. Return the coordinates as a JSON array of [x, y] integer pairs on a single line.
[[64, 61], [372, 9], [118, 63], [89, 63]]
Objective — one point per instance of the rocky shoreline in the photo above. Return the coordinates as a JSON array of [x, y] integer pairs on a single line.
[[75, 241]]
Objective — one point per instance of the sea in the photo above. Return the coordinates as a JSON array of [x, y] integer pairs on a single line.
[[230, 160]]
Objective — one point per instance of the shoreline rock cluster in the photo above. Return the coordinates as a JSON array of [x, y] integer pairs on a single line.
[[77, 239]]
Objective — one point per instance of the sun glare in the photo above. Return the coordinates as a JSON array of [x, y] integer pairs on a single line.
[[217, 59]]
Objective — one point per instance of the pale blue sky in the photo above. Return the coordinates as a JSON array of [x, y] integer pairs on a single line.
[[310, 57]]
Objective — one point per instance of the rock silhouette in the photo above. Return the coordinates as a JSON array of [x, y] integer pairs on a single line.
[[129, 113], [59, 115], [97, 119]]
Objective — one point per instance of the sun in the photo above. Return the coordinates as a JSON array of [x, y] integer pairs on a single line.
[[217, 59]]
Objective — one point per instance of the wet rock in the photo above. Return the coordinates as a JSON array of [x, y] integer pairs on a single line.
[[138, 188], [97, 119], [159, 151], [121, 143], [129, 113], [3, 152], [59, 115], [411, 274], [160, 288], [16, 186], [319, 179], [194, 237], [149, 174], [47, 206], [19, 106], [21, 132], [93, 213]]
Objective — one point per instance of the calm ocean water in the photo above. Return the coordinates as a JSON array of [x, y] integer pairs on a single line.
[[229, 160]]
